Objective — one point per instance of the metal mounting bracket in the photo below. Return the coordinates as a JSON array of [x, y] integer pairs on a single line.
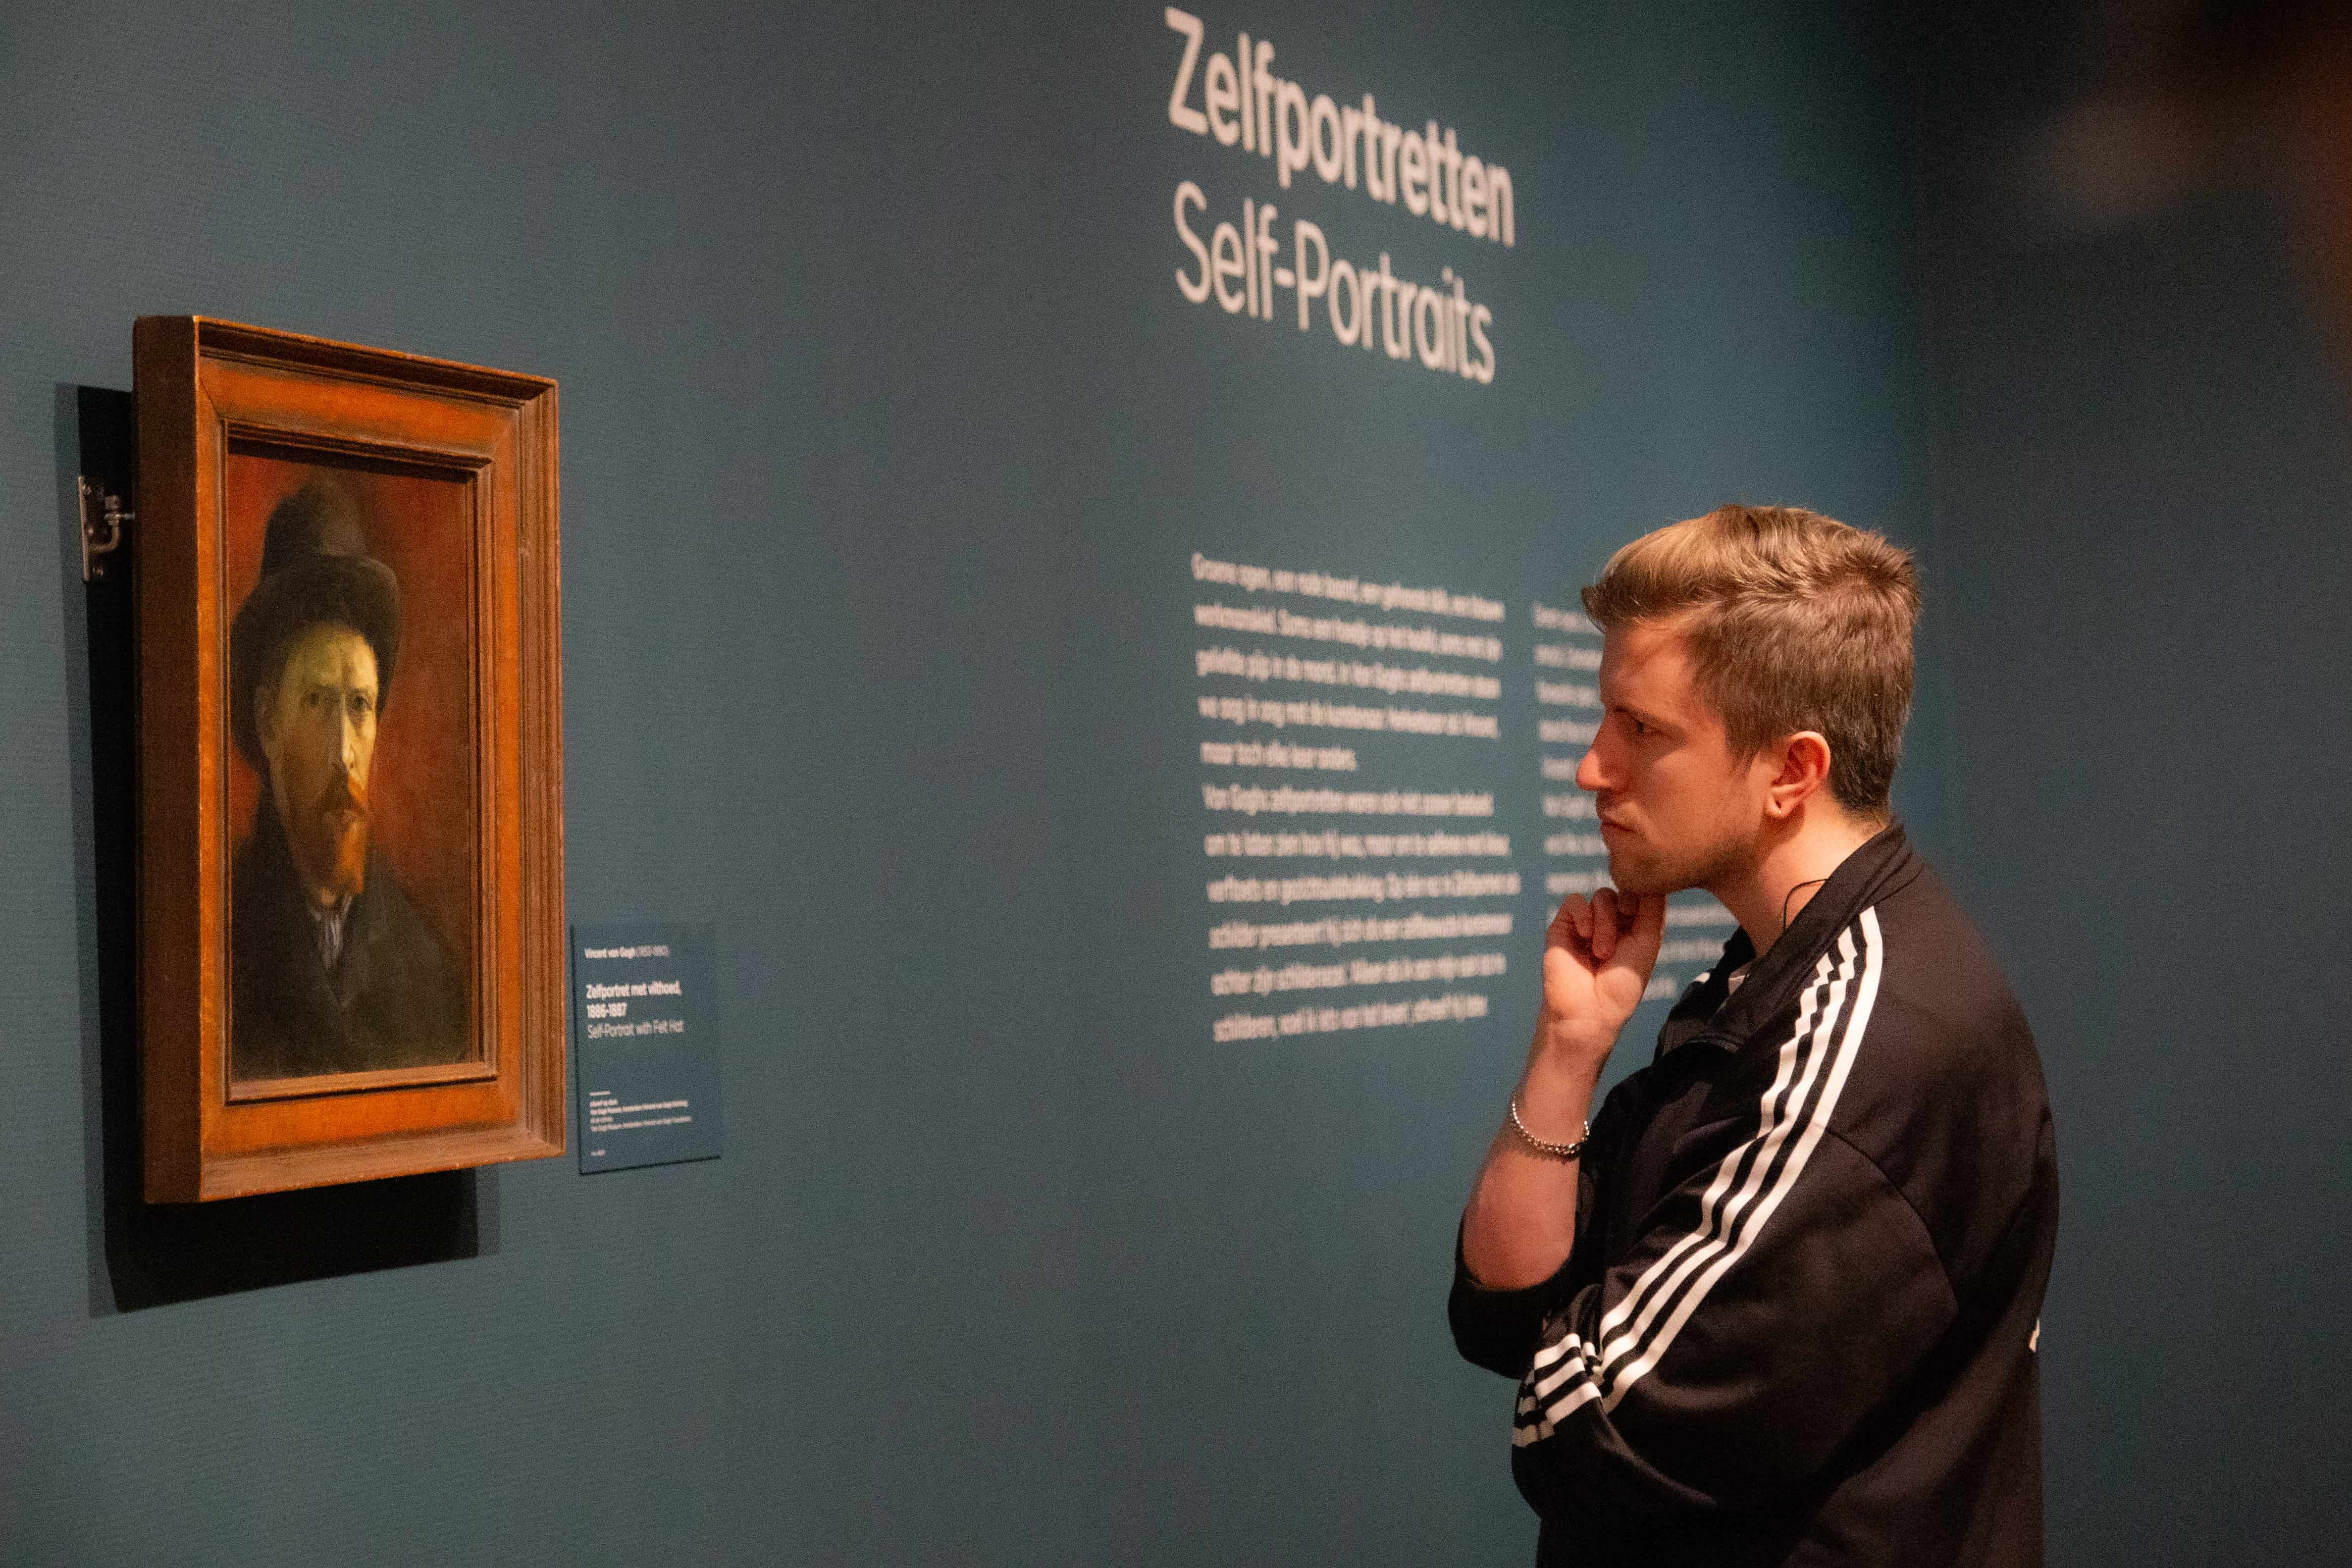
[[103, 519]]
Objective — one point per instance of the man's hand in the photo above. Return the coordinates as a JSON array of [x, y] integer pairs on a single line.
[[1598, 956], [1521, 1218]]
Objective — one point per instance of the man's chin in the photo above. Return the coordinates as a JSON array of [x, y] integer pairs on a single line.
[[1641, 876]]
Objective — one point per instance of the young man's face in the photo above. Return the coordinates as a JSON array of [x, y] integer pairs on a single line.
[[1676, 809]]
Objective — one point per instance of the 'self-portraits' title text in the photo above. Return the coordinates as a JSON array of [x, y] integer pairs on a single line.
[[1240, 101]]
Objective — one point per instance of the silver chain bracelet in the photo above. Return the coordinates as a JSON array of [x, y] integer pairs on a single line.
[[1549, 1150]]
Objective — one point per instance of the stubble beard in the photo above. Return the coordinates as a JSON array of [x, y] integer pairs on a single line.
[[1644, 872]]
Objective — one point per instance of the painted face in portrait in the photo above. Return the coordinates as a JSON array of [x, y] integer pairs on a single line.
[[317, 730]]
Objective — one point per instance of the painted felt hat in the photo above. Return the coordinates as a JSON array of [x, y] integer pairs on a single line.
[[315, 567]]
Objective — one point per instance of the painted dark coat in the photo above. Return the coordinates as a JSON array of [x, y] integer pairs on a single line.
[[393, 998]]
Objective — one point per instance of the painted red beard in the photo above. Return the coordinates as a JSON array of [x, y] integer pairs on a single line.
[[329, 839]]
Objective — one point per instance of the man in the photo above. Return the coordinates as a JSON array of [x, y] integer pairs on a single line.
[[331, 967], [1779, 1302]]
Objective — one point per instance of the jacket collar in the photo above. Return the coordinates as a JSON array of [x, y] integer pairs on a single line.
[[1877, 867]]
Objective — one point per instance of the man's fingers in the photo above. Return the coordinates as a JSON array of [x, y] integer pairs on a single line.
[[1579, 916], [1604, 925], [1651, 924], [1572, 926]]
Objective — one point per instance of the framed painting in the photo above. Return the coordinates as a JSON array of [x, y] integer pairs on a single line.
[[352, 959]]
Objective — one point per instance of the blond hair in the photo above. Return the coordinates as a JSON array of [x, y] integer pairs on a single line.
[[1795, 621]]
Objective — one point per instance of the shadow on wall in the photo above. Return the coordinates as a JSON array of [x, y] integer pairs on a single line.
[[142, 1255]]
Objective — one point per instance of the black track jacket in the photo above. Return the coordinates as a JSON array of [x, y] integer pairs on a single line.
[[1800, 1319]]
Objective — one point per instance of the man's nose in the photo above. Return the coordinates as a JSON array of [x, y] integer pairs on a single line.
[[1590, 776], [347, 741]]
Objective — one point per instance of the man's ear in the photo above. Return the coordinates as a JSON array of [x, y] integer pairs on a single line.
[[265, 719], [1804, 773]]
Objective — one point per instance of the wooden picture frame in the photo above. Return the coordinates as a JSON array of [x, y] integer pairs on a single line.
[[352, 959]]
